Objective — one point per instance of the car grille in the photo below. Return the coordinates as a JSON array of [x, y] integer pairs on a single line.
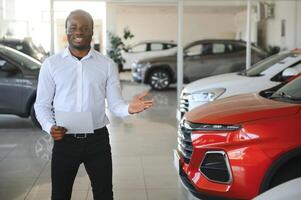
[[185, 143], [184, 104]]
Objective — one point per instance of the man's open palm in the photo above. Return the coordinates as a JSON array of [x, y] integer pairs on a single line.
[[139, 104]]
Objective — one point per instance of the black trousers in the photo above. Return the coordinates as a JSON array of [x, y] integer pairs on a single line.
[[94, 152]]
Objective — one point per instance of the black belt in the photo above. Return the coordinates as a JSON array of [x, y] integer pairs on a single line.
[[86, 135]]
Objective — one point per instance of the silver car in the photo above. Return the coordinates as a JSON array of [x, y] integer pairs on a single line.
[[18, 83], [202, 58]]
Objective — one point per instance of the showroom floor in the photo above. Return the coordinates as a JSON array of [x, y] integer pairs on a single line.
[[141, 147]]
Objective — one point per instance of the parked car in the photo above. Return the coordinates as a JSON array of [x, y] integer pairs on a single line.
[[26, 46], [18, 83], [263, 75], [201, 59], [146, 50], [284, 191], [240, 146]]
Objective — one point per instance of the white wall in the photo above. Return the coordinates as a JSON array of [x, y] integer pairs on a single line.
[[6, 15], [290, 12], [160, 22], [298, 24], [241, 25]]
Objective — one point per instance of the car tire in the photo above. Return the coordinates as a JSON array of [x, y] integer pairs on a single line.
[[159, 79], [34, 118], [287, 172]]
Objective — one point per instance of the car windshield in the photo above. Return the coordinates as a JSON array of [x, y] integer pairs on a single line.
[[21, 58], [290, 92], [34, 47], [263, 65]]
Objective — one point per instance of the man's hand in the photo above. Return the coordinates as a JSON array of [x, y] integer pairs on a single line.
[[139, 104], [57, 132]]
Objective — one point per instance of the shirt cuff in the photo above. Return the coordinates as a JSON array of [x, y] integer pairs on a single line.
[[47, 127], [126, 110]]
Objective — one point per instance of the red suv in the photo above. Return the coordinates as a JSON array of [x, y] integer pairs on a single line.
[[241, 146]]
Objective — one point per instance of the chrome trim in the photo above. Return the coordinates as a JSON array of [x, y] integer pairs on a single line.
[[227, 163]]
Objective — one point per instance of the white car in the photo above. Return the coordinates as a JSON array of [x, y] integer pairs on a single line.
[[148, 49], [263, 75], [285, 191]]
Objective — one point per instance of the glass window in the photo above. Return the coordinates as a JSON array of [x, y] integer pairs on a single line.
[[263, 65], [139, 48], [169, 46], [7, 69], [229, 47], [21, 58], [218, 48], [194, 50], [156, 46], [239, 47], [291, 91]]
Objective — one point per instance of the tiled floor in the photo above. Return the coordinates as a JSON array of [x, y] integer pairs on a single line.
[[141, 148]]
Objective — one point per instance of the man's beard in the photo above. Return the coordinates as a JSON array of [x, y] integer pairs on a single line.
[[81, 47]]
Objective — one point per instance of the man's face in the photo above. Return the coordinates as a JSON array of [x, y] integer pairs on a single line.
[[79, 31]]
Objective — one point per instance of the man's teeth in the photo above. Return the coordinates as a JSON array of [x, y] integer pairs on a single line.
[[78, 39]]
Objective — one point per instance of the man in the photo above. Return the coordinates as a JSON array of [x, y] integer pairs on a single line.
[[79, 80]]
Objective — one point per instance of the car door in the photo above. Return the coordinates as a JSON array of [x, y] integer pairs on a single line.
[[10, 86], [198, 62], [134, 54]]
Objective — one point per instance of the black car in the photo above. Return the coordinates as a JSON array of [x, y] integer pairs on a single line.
[[26, 46], [18, 83]]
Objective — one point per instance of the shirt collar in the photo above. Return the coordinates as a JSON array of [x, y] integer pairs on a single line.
[[67, 53]]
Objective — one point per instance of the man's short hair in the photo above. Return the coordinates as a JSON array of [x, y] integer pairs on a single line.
[[86, 14]]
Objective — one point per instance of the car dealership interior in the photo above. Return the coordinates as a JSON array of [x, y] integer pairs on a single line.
[[224, 77]]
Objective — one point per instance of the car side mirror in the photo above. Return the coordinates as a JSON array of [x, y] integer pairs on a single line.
[[289, 72]]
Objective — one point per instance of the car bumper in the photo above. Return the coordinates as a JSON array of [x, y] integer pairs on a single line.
[[244, 176], [137, 77]]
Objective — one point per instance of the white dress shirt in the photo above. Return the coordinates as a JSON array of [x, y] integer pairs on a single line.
[[71, 85]]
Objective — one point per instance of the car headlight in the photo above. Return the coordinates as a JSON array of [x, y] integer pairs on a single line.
[[208, 127], [143, 65], [206, 95]]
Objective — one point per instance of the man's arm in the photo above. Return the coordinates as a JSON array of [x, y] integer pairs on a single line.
[[115, 100]]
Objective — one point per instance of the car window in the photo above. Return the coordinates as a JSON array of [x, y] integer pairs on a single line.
[[194, 50], [229, 47], [7, 69], [169, 46], [263, 65], [280, 78], [218, 48], [156, 46], [21, 58], [139, 48], [291, 91], [239, 47]]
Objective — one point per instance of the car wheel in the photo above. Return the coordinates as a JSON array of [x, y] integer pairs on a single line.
[[288, 172], [159, 79], [34, 118]]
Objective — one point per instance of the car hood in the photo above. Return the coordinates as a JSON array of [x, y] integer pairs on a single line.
[[218, 81], [240, 108], [159, 59]]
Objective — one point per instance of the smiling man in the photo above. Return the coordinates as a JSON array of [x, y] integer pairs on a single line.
[[79, 80]]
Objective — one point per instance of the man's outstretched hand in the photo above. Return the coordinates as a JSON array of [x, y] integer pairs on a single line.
[[57, 132], [139, 104]]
